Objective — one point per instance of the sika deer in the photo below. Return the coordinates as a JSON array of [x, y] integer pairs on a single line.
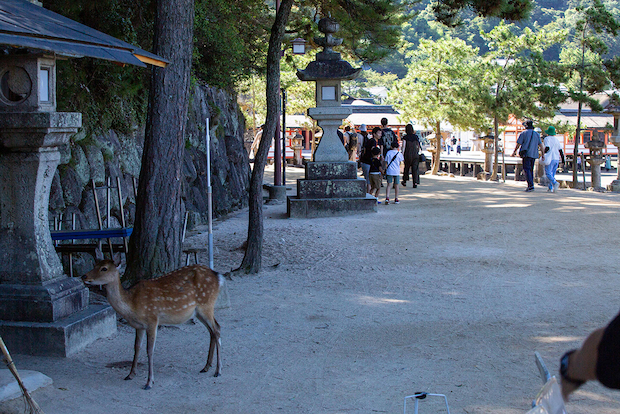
[[168, 300]]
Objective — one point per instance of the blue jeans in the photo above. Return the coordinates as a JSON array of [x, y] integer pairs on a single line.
[[550, 171], [528, 168]]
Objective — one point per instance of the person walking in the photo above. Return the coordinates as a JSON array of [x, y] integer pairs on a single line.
[[375, 172], [366, 158], [256, 142], [388, 136], [553, 154], [411, 155], [528, 144], [607, 162], [350, 142], [362, 137], [393, 158]]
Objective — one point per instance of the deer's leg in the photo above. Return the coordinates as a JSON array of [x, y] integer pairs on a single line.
[[214, 344], [136, 352], [151, 336]]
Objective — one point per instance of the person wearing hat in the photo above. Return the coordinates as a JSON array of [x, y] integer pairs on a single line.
[[528, 144], [597, 359], [553, 154]]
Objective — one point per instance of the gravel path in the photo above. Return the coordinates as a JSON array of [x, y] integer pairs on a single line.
[[450, 292]]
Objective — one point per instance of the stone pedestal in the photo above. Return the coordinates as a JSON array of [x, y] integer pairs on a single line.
[[42, 311], [330, 189], [329, 118]]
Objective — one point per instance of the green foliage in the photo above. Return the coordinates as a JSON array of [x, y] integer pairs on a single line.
[[514, 78], [371, 30], [449, 12], [230, 40], [229, 44], [109, 96], [435, 87], [582, 58]]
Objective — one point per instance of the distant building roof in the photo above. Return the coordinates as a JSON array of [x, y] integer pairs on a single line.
[[589, 119], [26, 25]]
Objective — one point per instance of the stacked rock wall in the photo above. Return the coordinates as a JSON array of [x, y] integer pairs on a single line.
[[111, 155]]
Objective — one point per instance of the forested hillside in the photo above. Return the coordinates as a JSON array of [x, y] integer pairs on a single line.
[[556, 14]]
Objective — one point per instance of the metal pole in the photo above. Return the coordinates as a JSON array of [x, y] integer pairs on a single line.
[[209, 196], [277, 178], [284, 137]]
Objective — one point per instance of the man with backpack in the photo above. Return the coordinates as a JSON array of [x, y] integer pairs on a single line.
[[388, 136]]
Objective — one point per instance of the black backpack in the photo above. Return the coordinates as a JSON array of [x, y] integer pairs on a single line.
[[388, 137]]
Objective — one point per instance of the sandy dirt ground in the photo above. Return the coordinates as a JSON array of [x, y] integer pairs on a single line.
[[450, 292]]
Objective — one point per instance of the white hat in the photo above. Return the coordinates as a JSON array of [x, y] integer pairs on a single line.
[[363, 127]]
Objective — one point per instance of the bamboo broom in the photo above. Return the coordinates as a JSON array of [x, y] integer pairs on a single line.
[[31, 405]]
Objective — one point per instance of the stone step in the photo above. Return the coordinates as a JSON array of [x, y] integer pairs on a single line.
[[331, 188], [330, 207], [331, 170]]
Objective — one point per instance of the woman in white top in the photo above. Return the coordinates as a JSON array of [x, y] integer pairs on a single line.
[[553, 154]]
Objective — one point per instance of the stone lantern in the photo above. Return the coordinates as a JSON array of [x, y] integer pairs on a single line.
[[331, 186], [595, 159], [35, 294], [615, 140], [42, 310], [488, 149]]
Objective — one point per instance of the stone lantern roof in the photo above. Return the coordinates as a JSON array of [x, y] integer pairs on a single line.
[[26, 25], [328, 65]]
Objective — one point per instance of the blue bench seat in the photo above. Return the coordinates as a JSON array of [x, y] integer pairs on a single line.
[[90, 234]]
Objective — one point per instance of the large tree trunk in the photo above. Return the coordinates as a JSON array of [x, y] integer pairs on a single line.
[[155, 244], [495, 146], [252, 260], [437, 154]]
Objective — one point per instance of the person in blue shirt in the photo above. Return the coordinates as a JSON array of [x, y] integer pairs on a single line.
[[528, 145]]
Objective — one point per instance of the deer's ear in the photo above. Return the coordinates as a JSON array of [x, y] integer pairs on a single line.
[[98, 254], [117, 259]]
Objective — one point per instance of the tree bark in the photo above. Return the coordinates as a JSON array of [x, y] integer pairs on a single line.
[[155, 244], [437, 154], [495, 145], [252, 260]]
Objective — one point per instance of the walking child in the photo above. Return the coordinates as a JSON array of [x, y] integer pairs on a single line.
[[393, 158], [375, 172]]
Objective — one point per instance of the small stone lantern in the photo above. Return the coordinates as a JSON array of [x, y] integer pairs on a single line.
[[488, 149], [595, 159], [297, 146], [614, 139]]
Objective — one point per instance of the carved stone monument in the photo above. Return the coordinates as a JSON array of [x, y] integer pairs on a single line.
[[331, 186]]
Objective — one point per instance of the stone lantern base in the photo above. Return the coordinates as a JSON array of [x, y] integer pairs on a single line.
[[330, 189], [614, 186], [62, 337], [42, 311]]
